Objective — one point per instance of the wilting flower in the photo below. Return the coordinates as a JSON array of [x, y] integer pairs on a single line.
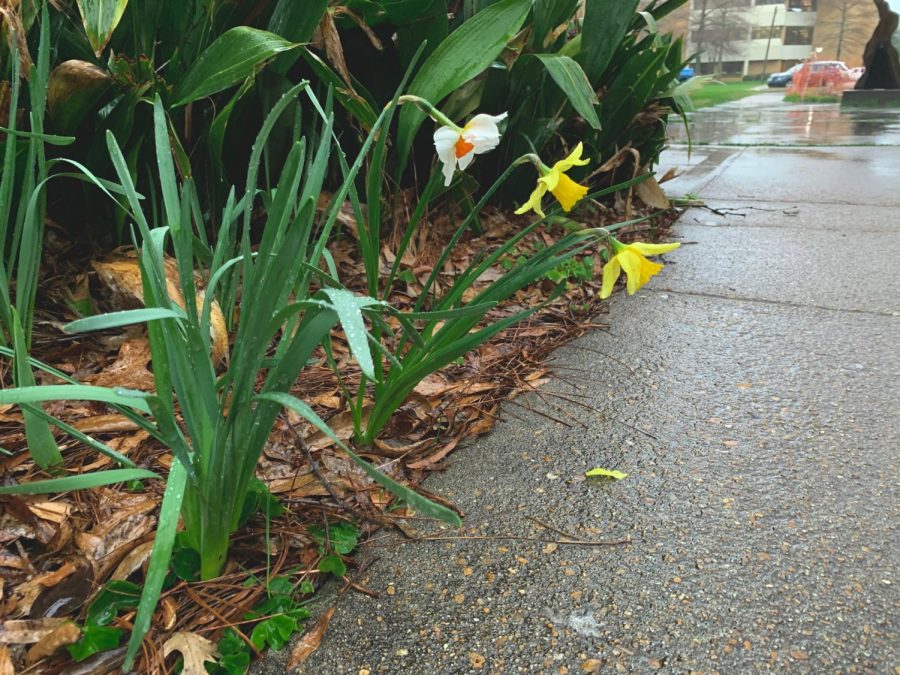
[[567, 191], [630, 257], [458, 146]]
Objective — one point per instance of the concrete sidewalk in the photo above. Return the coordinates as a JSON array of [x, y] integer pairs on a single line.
[[752, 393]]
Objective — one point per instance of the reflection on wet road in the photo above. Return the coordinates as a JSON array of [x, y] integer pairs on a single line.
[[766, 119]]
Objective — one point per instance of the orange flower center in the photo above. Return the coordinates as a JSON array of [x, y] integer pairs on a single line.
[[463, 147]]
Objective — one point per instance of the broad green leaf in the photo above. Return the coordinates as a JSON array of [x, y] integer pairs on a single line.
[[115, 594], [605, 24], [94, 639], [100, 18], [80, 482], [333, 564], [424, 506], [463, 55], [124, 318], [571, 79], [296, 21], [342, 537], [607, 473], [233, 56]]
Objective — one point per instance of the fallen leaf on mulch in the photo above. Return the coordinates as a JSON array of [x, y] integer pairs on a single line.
[[28, 631], [310, 640], [66, 634], [6, 664], [195, 649], [129, 370]]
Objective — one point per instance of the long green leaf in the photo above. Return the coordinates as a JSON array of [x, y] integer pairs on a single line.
[[80, 482], [569, 76], [424, 506], [41, 443], [233, 56], [126, 317], [159, 558], [100, 18], [75, 392], [465, 53], [605, 24]]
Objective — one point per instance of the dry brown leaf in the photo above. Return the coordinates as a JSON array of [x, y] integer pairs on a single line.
[[6, 664], [55, 512], [121, 274], [310, 640], [135, 558], [434, 458], [168, 611], [195, 650], [27, 631], [129, 370], [651, 194], [64, 635], [104, 424], [333, 48]]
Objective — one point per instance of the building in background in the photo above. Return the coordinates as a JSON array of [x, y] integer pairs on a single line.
[[752, 37]]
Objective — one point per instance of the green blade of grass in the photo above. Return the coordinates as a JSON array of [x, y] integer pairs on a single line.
[[82, 482]]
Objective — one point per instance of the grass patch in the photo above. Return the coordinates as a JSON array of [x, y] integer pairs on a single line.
[[716, 93], [812, 98]]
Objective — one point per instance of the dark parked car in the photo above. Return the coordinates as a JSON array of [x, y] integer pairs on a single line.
[[783, 79], [686, 73]]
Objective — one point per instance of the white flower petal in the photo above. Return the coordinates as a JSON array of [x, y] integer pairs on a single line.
[[482, 132], [445, 144], [465, 160]]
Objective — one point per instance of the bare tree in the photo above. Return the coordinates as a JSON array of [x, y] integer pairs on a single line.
[[845, 22], [716, 26]]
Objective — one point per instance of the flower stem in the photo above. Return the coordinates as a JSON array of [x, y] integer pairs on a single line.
[[428, 109]]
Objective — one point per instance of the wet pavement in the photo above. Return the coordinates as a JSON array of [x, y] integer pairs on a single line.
[[766, 118], [751, 392]]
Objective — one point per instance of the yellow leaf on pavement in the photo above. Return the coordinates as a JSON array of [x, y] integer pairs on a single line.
[[618, 475]]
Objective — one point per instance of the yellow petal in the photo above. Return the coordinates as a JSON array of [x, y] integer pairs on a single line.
[[574, 159], [534, 201], [611, 272], [653, 249], [637, 268], [568, 192]]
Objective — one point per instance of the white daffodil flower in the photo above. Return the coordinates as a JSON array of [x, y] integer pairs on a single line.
[[458, 146]]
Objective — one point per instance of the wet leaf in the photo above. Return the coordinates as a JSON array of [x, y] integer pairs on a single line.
[[310, 640], [607, 473], [195, 650], [95, 639], [114, 596]]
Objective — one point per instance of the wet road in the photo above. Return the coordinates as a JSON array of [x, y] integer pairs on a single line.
[[765, 118], [751, 392]]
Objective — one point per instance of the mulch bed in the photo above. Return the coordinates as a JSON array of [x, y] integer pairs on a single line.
[[56, 551]]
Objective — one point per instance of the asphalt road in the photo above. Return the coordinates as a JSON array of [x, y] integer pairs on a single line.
[[752, 393]]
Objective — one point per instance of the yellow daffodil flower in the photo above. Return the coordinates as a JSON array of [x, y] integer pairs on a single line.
[[630, 257], [458, 146], [567, 191]]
